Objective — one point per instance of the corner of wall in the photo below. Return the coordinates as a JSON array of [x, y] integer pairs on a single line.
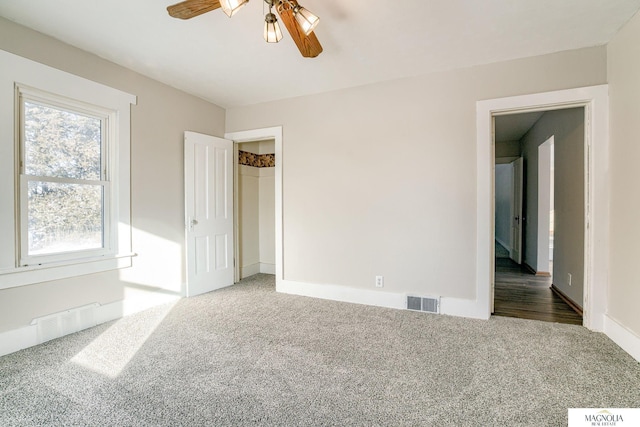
[[625, 338]]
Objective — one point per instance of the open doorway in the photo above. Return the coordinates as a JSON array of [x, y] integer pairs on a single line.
[[524, 285], [255, 208], [595, 100], [275, 134]]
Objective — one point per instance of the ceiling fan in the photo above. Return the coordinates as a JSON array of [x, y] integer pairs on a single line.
[[299, 21]]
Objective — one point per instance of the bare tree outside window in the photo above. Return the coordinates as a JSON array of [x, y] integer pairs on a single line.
[[63, 167]]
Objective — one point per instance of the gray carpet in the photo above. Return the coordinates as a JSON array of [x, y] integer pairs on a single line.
[[246, 355]]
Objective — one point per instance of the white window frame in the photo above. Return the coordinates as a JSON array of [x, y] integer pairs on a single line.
[[49, 86], [107, 118]]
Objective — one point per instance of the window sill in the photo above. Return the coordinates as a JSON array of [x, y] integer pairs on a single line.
[[29, 275]]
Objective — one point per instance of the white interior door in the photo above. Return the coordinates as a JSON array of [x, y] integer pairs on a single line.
[[516, 220], [208, 170]]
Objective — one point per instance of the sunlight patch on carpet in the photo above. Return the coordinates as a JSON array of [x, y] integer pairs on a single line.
[[110, 353]]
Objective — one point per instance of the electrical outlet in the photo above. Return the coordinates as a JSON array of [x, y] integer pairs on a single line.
[[569, 278], [379, 281]]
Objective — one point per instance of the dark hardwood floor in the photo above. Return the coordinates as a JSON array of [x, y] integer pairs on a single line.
[[521, 294]]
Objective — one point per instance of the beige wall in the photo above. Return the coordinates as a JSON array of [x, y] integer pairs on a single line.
[[249, 217], [567, 128], [157, 125], [503, 180], [267, 221], [381, 179], [624, 91]]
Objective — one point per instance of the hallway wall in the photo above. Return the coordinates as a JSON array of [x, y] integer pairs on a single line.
[[567, 127], [504, 199]]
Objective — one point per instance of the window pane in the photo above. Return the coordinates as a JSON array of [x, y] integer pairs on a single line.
[[61, 143], [64, 217]]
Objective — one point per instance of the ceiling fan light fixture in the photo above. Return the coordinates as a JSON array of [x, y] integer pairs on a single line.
[[230, 7], [298, 21], [307, 20], [272, 31]]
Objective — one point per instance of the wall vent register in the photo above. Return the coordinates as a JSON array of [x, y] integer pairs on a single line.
[[425, 304]]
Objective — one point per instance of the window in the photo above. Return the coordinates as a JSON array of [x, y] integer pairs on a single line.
[[64, 186], [64, 174]]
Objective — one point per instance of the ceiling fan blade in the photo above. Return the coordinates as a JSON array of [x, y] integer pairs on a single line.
[[192, 8], [309, 46]]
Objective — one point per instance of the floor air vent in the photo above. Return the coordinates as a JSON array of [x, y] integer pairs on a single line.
[[428, 305]]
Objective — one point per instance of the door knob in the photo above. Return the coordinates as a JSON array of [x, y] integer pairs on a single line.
[[192, 223]]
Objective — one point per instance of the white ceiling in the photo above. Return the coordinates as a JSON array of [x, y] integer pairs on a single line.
[[226, 61], [512, 127]]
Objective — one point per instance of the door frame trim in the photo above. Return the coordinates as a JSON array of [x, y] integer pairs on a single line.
[[595, 100], [274, 133]]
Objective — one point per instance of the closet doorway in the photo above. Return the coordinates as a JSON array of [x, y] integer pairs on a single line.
[[255, 208]]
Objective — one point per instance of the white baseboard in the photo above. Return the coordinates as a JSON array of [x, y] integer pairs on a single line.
[[459, 307], [249, 270], [626, 339], [24, 337], [267, 268], [343, 293], [259, 267], [17, 339], [449, 306], [27, 336]]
